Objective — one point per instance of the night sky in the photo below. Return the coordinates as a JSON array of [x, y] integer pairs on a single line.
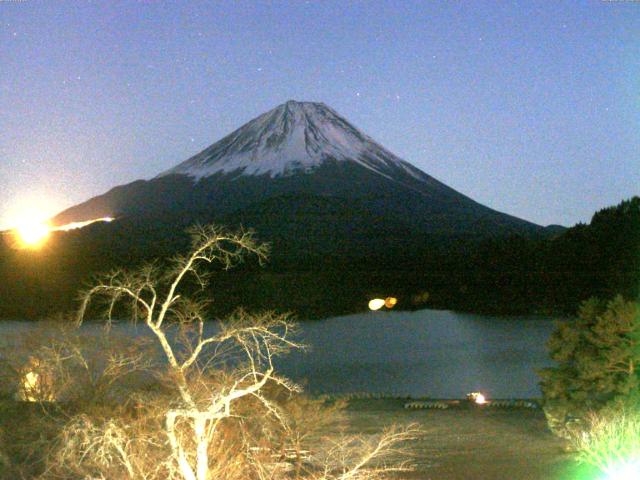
[[531, 108]]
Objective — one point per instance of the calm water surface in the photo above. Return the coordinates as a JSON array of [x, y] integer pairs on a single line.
[[433, 353]]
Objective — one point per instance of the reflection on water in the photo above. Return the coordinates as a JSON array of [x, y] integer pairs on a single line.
[[427, 353], [432, 353]]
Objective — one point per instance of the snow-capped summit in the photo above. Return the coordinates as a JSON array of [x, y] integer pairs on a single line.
[[302, 167], [295, 137]]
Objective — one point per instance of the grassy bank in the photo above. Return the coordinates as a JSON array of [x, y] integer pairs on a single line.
[[459, 443], [469, 443]]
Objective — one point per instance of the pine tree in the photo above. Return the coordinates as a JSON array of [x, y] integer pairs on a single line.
[[598, 361]]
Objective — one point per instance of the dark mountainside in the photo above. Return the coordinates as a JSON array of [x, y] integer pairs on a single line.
[[346, 219], [299, 156]]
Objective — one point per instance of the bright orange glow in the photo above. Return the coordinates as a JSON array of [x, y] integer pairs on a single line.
[[32, 233], [390, 302], [376, 304]]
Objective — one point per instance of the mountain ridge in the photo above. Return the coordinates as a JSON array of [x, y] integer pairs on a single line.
[[307, 149]]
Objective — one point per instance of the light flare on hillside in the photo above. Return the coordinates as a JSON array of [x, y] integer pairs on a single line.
[[76, 225], [31, 232]]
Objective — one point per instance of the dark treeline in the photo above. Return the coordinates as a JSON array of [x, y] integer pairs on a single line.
[[315, 275]]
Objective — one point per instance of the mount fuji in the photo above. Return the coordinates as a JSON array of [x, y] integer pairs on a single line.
[[301, 170], [347, 220]]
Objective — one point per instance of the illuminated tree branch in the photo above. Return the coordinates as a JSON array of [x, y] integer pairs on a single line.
[[260, 338]]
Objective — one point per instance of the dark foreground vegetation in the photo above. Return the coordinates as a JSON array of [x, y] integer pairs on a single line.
[[319, 272], [187, 406], [456, 444], [181, 404]]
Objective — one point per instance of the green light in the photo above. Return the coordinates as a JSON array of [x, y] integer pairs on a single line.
[[624, 471]]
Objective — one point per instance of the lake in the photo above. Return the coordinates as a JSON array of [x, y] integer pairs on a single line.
[[435, 353]]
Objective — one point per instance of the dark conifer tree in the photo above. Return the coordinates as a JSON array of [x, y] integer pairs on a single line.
[[598, 361]]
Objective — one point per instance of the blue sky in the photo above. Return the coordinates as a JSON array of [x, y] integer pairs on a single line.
[[531, 108]]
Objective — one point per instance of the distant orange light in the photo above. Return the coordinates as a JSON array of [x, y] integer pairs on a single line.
[[390, 302]]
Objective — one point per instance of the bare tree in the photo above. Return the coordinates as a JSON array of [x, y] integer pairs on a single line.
[[155, 298], [218, 377], [358, 457]]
